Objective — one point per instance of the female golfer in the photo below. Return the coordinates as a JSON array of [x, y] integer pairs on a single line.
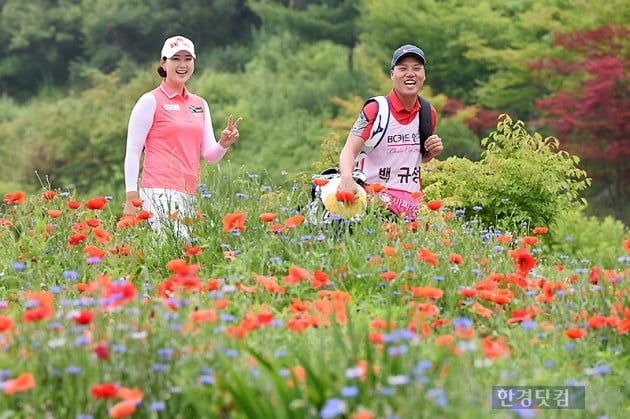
[[173, 126]]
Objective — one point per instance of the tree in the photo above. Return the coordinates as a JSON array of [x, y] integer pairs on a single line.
[[333, 20], [590, 110]]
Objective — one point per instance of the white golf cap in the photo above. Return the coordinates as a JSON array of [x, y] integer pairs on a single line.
[[175, 44]]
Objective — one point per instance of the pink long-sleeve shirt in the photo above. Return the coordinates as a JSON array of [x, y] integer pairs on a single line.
[[173, 130]]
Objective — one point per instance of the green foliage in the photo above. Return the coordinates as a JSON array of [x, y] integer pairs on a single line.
[[521, 178], [458, 140], [581, 237], [43, 41], [77, 142]]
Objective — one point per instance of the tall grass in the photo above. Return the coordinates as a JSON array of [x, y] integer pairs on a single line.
[[226, 325]]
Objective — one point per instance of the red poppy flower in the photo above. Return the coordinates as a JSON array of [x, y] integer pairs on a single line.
[[376, 337], [575, 333], [468, 292], [6, 323], [495, 349], [596, 322], [101, 235], [19, 384], [417, 195], [93, 222], [192, 251], [456, 258], [96, 203], [122, 409], [101, 350], [388, 275], [320, 181], [5, 222], [389, 251], [74, 204], [204, 316], [136, 203], [530, 241], [14, 197], [54, 213], [234, 221], [94, 251], [296, 274], [126, 221], [106, 390], [276, 228], [294, 221], [426, 292], [83, 317], [434, 205], [428, 256], [523, 261], [345, 196], [267, 217], [319, 279], [375, 188], [541, 230], [49, 194], [143, 215]]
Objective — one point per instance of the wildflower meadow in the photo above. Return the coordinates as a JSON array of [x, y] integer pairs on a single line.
[[261, 313]]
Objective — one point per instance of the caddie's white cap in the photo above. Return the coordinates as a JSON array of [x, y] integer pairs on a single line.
[[175, 44]]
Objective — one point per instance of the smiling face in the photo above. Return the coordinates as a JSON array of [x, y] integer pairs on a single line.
[[408, 76], [179, 68]]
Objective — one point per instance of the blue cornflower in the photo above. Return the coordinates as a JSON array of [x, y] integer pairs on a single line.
[[18, 266], [600, 369], [207, 379], [93, 260], [165, 353], [159, 367], [350, 391], [333, 407], [462, 322], [157, 406], [74, 369], [119, 348], [397, 350], [529, 325], [82, 341], [397, 380], [387, 391], [228, 318], [70, 275]]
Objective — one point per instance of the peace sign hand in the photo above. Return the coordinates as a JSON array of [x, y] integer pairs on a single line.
[[230, 134]]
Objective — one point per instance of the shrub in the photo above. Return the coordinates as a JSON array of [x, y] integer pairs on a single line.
[[580, 237], [521, 178]]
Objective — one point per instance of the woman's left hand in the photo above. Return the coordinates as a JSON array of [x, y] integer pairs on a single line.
[[230, 134]]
